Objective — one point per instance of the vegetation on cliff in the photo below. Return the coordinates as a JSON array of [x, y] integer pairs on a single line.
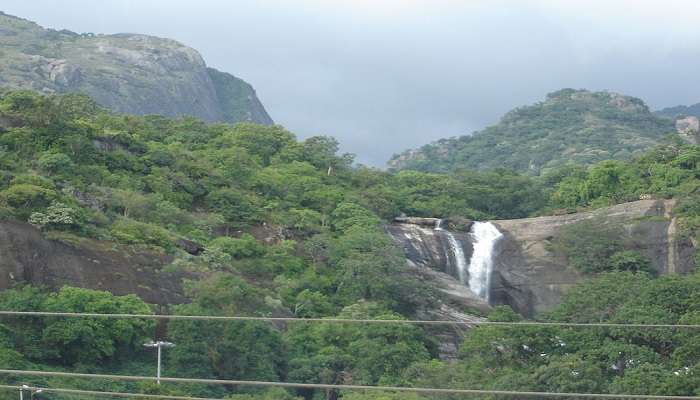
[[291, 227], [568, 126]]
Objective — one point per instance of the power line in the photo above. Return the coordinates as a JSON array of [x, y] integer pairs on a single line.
[[98, 393], [291, 385], [349, 320]]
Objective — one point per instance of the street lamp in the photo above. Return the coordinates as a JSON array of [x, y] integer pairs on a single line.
[[32, 392], [159, 344]]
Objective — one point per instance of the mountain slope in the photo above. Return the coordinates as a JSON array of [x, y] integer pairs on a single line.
[[687, 111], [569, 125], [128, 73]]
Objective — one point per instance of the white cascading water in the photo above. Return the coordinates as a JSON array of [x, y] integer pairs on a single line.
[[457, 253], [484, 236]]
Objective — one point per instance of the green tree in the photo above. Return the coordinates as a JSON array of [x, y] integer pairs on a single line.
[[629, 260]]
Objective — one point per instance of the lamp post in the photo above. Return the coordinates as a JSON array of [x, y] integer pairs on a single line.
[[159, 344], [32, 392]]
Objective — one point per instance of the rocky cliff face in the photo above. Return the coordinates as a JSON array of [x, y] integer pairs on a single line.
[[26, 256], [527, 274], [432, 256], [127, 73], [531, 278], [688, 129]]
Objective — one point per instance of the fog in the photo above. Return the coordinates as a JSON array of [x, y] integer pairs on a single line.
[[386, 75]]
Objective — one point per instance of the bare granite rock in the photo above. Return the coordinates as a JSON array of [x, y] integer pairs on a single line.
[[689, 129], [529, 277], [127, 73], [26, 256]]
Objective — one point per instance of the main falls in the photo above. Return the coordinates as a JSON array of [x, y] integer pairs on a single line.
[[485, 236], [477, 273]]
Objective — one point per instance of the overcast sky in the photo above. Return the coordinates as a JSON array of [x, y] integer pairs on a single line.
[[386, 75]]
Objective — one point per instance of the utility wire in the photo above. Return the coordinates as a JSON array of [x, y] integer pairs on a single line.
[[98, 393], [351, 387], [347, 321]]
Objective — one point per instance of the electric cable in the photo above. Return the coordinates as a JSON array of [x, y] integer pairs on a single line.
[[102, 393], [292, 385]]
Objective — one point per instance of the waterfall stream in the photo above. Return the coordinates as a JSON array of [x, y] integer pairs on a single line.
[[484, 237], [457, 252]]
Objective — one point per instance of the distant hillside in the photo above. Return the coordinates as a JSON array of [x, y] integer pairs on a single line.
[[685, 111], [128, 73], [569, 125]]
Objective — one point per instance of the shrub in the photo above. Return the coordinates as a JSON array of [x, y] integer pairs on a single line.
[[244, 247], [133, 232], [630, 260], [57, 215], [588, 245], [26, 198], [54, 162]]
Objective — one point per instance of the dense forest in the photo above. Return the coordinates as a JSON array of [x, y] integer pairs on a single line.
[[76, 171], [570, 125]]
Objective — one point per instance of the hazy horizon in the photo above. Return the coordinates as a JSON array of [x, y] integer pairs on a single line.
[[385, 76]]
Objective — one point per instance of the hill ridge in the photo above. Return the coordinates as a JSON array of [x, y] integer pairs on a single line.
[[580, 126], [129, 73]]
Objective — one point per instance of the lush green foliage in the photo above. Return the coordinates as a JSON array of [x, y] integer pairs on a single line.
[[291, 228], [598, 360], [67, 341]]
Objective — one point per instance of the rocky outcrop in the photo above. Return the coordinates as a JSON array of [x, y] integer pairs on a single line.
[[26, 256], [127, 73], [688, 129], [429, 248], [688, 125], [432, 259], [527, 274], [531, 278]]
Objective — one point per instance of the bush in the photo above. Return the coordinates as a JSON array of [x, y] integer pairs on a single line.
[[629, 260], [244, 247], [133, 232], [26, 198], [55, 162], [588, 245], [57, 215]]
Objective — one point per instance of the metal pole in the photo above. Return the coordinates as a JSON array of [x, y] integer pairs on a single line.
[[21, 394], [158, 380]]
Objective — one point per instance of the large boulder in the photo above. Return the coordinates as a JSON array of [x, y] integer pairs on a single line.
[[26, 256]]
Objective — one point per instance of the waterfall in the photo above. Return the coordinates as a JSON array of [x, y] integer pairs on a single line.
[[476, 273], [484, 235], [457, 252]]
